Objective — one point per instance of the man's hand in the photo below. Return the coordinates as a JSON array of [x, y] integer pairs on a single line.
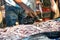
[[29, 13]]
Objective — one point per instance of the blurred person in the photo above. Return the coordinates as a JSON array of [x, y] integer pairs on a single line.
[[54, 8], [1, 13], [17, 10], [58, 5]]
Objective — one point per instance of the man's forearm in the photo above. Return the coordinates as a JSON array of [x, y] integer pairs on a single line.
[[25, 7]]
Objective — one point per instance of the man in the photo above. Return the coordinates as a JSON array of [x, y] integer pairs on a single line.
[[16, 10]]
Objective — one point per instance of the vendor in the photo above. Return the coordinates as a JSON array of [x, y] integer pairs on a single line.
[[15, 10]]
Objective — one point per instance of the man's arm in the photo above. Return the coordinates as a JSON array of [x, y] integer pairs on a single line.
[[28, 10]]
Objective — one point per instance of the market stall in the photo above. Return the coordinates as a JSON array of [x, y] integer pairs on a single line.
[[41, 27]]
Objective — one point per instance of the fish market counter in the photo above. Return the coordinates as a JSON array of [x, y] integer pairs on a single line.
[[22, 31]]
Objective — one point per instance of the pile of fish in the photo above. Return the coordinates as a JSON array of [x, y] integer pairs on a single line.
[[21, 31], [48, 26]]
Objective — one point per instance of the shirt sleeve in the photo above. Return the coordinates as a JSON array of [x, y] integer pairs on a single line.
[[11, 2]]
